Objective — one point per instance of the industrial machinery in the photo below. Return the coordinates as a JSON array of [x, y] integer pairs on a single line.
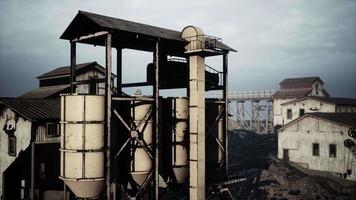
[[133, 146]]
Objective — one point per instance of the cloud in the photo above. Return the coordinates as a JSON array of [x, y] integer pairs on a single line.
[[275, 39]]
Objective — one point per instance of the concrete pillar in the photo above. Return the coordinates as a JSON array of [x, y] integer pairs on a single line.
[[197, 127]]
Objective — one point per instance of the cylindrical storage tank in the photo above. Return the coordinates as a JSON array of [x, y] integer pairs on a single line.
[[215, 130], [141, 163], [180, 117], [82, 144]]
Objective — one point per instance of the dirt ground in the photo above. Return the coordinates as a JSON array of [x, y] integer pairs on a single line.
[[272, 178]]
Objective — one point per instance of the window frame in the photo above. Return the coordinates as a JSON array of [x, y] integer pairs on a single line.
[[289, 114], [57, 130], [301, 109], [12, 141], [335, 150], [313, 150]]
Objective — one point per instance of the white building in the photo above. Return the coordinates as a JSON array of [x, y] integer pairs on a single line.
[[295, 88], [293, 109], [316, 141], [26, 127]]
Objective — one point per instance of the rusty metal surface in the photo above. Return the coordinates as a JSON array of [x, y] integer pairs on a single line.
[[34, 109]]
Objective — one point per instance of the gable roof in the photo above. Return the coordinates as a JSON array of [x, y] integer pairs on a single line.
[[34, 109], [65, 70], [345, 119], [331, 100], [126, 34], [46, 92], [292, 93], [300, 80]]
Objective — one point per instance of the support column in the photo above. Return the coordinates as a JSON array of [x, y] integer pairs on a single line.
[[33, 176], [72, 65], [108, 71], [119, 71], [156, 117], [226, 112], [197, 127]]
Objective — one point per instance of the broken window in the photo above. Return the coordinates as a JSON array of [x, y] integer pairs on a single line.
[[332, 150], [289, 113], [316, 149], [52, 130], [301, 112], [12, 146]]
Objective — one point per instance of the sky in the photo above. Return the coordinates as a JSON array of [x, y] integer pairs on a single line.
[[275, 39]]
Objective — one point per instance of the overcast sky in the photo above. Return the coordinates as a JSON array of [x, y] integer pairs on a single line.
[[276, 39]]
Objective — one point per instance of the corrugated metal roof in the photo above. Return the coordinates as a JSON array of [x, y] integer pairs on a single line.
[[86, 23], [45, 92], [300, 80], [34, 109], [292, 93], [332, 100], [346, 119], [60, 71]]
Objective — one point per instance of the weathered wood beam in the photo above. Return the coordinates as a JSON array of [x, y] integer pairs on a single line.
[[92, 35]]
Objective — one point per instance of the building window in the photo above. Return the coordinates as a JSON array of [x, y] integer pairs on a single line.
[[301, 112], [289, 113], [317, 89], [316, 149], [332, 150], [52, 130], [93, 86], [12, 146]]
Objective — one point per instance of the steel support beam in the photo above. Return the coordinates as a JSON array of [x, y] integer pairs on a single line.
[[226, 110], [119, 71], [72, 65], [156, 120], [33, 170], [108, 71]]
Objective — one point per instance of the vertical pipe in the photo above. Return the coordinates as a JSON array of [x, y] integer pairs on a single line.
[[72, 65], [119, 71], [156, 96], [108, 112], [225, 71], [32, 193]]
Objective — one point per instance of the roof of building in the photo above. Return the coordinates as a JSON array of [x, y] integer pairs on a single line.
[[345, 119], [300, 80], [292, 93], [331, 100], [45, 92], [34, 109], [127, 34], [65, 70]]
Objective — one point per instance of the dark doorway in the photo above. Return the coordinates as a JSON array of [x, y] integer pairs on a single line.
[[285, 154]]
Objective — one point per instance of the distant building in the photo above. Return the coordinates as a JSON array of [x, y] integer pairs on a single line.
[[292, 89], [57, 81], [291, 110], [29, 143], [316, 141]]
